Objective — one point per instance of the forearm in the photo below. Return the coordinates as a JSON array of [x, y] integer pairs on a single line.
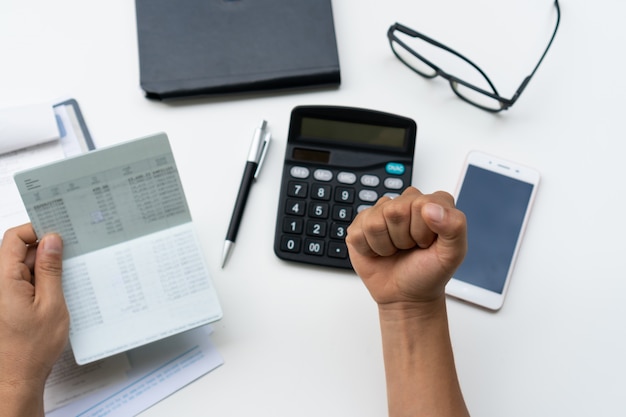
[[19, 401], [419, 363]]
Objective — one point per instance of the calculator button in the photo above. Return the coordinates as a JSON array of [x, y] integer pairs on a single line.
[[297, 189], [319, 211], [391, 195], [314, 247], [393, 183], [316, 228], [344, 195], [362, 207], [343, 213], [322, 175], [290, 244], [299, 172], [368, 195], [295, 207], [338, 231], [293, 225], [394, 168], [346, 177], [370, 180], [337, 250], [320, 192]]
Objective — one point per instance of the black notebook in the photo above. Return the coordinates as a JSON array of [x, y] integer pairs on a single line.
[[200, 47]]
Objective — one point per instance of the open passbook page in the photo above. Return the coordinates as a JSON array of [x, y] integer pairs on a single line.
[[133, 269]]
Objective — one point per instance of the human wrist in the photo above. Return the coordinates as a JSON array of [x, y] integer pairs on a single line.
[[423, 310], [21, 398], [22, 370]]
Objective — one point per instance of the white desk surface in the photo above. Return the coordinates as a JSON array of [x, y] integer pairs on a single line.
[[304, 341]]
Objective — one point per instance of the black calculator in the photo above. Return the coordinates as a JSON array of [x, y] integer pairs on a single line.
[[339, 161]]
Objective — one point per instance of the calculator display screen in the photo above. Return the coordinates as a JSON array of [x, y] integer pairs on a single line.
[[311, 155], [353, 133]]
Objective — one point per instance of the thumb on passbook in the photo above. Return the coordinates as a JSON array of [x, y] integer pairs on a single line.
[[49, 267]]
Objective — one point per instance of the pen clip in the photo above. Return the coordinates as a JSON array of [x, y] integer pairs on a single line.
[[266, 142]]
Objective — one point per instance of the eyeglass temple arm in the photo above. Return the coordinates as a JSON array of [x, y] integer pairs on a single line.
[[527, 79]]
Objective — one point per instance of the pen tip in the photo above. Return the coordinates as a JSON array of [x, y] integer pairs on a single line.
[[228, 246]]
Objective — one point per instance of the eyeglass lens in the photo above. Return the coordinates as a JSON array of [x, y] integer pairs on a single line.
[[425, 54]]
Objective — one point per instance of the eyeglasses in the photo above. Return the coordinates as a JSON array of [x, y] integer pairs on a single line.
[[481, 91]]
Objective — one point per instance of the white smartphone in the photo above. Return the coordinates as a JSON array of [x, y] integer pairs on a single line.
[[496, 196]]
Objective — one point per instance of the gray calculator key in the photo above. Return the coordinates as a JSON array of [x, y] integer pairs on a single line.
[[323, 175], [346, 177], [299, 172], [370, 180], [393, 183], [368, 195]]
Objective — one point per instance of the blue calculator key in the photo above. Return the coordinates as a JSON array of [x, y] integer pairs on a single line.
[[394, 168]]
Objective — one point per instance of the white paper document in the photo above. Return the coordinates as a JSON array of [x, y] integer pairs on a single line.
[[133, 269], [131, 382], [74, 140], [25, 126], [68, 381]]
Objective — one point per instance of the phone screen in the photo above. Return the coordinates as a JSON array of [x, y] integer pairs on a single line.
[[495, 206]]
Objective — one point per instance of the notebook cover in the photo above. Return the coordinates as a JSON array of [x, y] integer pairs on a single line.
[[200, 47]]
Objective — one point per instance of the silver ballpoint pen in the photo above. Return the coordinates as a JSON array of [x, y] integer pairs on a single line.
[[256, 156]]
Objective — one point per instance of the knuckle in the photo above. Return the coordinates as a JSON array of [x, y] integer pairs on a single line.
[[396, 213], [375, 226], [444, 197]]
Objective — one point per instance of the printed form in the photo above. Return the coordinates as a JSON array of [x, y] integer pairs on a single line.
[[128, 383]]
